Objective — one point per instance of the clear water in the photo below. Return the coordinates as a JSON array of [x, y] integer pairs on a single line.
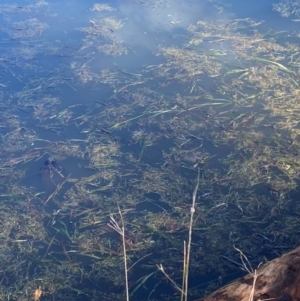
[[132, 101]]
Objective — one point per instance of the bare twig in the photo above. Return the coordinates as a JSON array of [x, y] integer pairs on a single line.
[[254, 274], [58, 188], [188, 251], [246, 264], [247, 267], [121, 230], [161, 268]]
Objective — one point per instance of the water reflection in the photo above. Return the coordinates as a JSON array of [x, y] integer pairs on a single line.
[[111, 115]]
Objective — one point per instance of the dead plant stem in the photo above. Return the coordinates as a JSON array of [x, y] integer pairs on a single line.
[[121, 230], [188, 251]]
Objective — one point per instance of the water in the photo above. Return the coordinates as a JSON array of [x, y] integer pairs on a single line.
[[135, 102]]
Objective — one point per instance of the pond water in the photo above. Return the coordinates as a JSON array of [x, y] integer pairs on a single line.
[[175, 121]]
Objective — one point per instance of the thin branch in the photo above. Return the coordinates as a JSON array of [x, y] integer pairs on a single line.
[[247, 266], [121, 230], [161, 268], [188, 252]]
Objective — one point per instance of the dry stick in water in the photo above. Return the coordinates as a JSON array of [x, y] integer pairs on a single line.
[[183, 292], [247, 266], [161, 268], [188, 251], [121, 230], [58, 188]]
